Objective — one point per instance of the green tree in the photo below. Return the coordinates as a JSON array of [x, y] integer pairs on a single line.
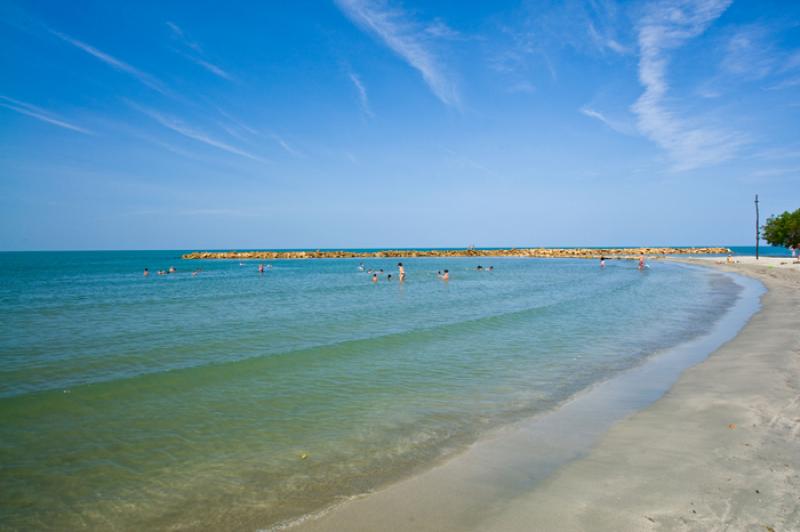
[[783, 230]]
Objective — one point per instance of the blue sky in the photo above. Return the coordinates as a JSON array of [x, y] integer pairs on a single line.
[[174, 125]]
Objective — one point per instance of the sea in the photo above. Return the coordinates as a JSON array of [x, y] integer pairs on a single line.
[[218, 397]]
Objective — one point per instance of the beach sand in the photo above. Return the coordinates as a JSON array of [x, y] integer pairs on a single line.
[[719, 451]]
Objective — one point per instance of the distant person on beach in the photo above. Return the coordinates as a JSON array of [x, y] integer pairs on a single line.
[[641, 262], [146, 272], [402, 271], [374, 277]]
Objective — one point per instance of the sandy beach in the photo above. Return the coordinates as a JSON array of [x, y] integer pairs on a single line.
[[719, 451]]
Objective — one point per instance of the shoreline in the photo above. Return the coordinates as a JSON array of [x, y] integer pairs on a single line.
[[483, 493]]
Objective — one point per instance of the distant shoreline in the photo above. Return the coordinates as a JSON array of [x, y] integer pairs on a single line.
[[585, 253]]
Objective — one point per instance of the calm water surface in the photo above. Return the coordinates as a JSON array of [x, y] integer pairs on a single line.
[[233, 399]]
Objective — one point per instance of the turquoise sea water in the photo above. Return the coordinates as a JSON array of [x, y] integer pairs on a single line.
[[235, 400]]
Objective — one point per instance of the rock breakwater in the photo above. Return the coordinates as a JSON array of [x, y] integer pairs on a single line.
[[578, 253]]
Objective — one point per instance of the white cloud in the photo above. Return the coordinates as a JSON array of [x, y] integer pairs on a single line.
[[115, 63], [362, 94], [439, 29], [405, 38], [666, 26], [218, 71], [288, 148], [619, 127], [194, 134], [748, 54], [521, 87], [39, 114], [211, 67]]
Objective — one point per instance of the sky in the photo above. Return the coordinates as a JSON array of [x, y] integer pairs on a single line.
[[363, 124]]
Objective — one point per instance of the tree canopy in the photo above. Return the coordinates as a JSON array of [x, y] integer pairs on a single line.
[[783, 230]]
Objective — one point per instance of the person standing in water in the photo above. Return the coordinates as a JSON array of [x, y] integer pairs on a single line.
[[260, 268], [402, 271], [374, 277], [146, 272], [641, 262], [602, 262]]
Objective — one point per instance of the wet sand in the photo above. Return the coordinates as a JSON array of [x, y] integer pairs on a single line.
[[719, 451]]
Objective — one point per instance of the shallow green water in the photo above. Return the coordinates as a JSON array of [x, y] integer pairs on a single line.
[[189, 401]]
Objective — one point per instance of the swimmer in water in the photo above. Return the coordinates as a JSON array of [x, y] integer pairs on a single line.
[[146, 272], [171, 269], [479, 268], [641, 262], [389, 277], [361, 267], [402, 271], [260, 268], [374, 277], [602, 262], [491, 268], [445, 276]]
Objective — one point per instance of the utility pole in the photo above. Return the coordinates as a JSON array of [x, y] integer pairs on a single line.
[[758, 230]]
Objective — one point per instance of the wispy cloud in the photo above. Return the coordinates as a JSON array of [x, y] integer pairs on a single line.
[[218, 71], [115, 63], [352, 158], [39, 114], [749, 54], [521, 87], [179, 127], [211, 67], [236, 121], [603, 41], [178, 32], [438, 28], [618, 126], [405, 38], [455, 159], [362, 94], [169, 147], [666, 26], [288, 148]]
